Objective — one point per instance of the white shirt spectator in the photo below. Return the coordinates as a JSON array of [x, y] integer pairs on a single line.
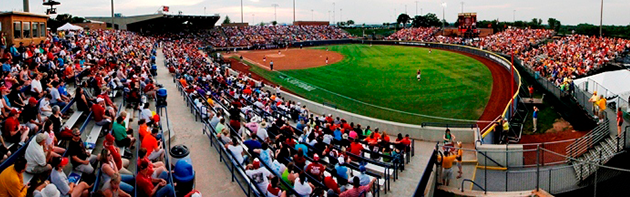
[[237, 151], [36, 85], [55, 95], [146, 114], [34, 155], [302, 189], [259, 176]]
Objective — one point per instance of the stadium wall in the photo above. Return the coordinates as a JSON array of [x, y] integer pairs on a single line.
[[427, 133]]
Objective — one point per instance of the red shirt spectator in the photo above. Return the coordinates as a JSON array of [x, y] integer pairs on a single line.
[[98, 112], [331, 184], [150, 143]]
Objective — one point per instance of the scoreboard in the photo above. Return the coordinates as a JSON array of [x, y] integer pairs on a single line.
[[467, 22]]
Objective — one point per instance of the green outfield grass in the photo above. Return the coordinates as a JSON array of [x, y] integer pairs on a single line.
[[452, 86]]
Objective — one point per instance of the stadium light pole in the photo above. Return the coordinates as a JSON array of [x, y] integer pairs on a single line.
[[405, 9], [294, 11], [312, 15], [514, 16], [462, 6], [242, 11], [601, 17], [340, 15], [443, 18], [333, 17], [113, 26], [416, 8], [275, 16]]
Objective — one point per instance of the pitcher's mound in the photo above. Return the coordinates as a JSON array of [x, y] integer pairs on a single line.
[[292, 58]]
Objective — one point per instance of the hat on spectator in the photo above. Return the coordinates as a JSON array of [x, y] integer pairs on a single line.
[[15, 111], [41, 137], [344, 136], [64, 161], [109, 138], [341, 160], [98, 100], [316, 157], [362, 168], [32, 100], [50, 191], [256, 163]]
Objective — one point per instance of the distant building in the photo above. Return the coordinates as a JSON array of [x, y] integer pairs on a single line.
[[23, 27], [312, 23], [159, 23], [92, 25]]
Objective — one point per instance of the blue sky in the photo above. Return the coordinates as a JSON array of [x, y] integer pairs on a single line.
[[361, 11]]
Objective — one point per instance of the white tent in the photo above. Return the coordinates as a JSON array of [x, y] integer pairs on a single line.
[[609, 84], [69, 26]]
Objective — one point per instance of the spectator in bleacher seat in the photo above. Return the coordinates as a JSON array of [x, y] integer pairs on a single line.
[[220, 126], [44, 106], [302, 186], [149, 186], [290, 174], [143, 129], [82, 100], [358, 189], [109, 168], [283, 153], [259, 175], [273, 190], [356, 148], [342, 171], [114, 189], [154, 148], [13, 131], [37, 155], [265, 154], [333, 188], [56, 119], [81, 160], [121, 163], [252, 144], [147, 115], [60, 180], [51, 140], [36, 86], [32, 116], [315, 169], [216, 118], [237, 151], [364, 179], [16, 97], [299, 159], [12, 181], [224, 136], [122, 134], [58, 99], [101, 118]]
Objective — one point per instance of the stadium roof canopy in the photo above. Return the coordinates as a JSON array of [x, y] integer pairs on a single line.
[[608, 84], [157, 23]]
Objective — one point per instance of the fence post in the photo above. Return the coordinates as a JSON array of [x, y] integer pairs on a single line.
[[537, 167], [542, 157], [485, 173], [549, 188]]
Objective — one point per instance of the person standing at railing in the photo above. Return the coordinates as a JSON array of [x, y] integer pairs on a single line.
[[447, 165], [535, 118], [619, 121], [594, 99], [602, 107]]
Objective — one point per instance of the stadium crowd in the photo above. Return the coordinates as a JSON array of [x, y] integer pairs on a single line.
[[38, 134], [572, 56], [414, 34], [260, 35], [513, 40], [318, 154]]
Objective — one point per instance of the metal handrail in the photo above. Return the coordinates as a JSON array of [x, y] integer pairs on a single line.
[[473, 182], [585, 142], [493, 161]]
